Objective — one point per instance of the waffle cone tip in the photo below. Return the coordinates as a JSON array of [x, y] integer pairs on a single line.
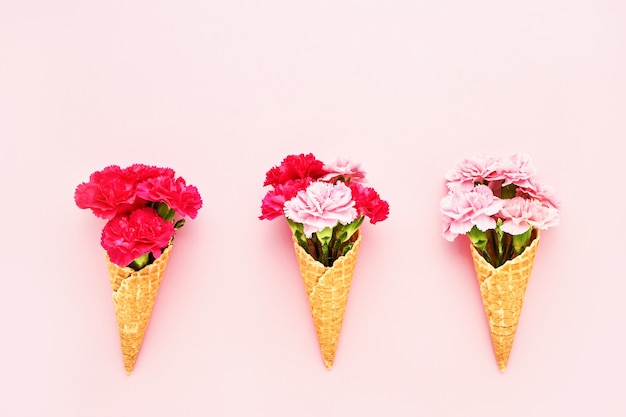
[[502, 290], [327, 291], [129, 365], [329, 355], [502, 358]]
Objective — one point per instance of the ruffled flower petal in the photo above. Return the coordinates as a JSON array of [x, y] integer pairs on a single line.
[[321, 205]]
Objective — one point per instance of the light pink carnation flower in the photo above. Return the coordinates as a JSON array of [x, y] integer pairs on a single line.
[[462, 210], [472, 170], [519, 214], [542, 192], [321, 205], [350, 171], [518, 169]]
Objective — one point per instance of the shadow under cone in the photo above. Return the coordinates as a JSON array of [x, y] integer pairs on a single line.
[[327, 289], [502, 291], [134, 294]]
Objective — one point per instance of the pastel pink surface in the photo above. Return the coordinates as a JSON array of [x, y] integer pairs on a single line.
[[221, 91]]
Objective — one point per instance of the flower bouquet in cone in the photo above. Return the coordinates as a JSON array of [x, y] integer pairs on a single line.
[[324, 206], [501, 207], [144, 206]]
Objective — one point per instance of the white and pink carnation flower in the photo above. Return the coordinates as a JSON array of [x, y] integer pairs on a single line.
[[321, 205], [462, 210]]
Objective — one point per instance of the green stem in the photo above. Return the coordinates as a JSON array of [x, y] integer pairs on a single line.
[[492, 247]]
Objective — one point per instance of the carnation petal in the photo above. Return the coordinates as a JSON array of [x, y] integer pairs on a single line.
[[321, 205], [484, 222], [514, 228]]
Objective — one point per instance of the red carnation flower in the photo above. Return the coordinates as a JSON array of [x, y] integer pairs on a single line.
[[182, 198], [369, 203], [295, 167], [129, 236], [143, 172], [108, 193]]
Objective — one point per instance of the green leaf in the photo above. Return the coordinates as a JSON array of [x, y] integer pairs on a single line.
[[300, 237], [351, 228], [347, 248], [298, 231], [179, 224]]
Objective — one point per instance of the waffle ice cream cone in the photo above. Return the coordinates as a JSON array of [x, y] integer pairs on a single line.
[[502, 291], [327, 289], [134, 294]]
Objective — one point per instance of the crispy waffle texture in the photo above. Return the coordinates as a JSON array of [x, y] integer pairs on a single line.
[[502, 291], [134, 294], [327, 289]]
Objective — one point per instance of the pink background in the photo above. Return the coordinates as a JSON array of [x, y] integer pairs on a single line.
[[222, 91]]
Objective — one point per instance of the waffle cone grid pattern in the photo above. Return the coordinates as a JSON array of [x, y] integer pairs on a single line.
[[134, 294], [502, 290], [327, 289]]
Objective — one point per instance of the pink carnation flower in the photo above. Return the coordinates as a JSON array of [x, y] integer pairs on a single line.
[[108, 193], [129, 236], [471, 171], [542, 192], [273, 203], [517, 169], [345, 170], [295, 167], [462, 210], [182, 198], [321, 205], [519, 214]]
